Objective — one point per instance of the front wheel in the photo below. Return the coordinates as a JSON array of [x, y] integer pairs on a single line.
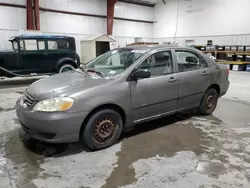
[[208, 102], [103, 129], [65, 68]]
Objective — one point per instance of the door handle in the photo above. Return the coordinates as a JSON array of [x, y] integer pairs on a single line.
[[45, 54], [205, 73], [172, 80]]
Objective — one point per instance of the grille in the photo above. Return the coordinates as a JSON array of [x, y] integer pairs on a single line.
[[28, 99]]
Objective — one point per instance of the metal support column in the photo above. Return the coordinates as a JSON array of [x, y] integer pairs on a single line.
[[110, 16], [29, 15], [37, 14], [33, 14]]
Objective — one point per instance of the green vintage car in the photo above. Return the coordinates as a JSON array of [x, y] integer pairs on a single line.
[[39, 55]]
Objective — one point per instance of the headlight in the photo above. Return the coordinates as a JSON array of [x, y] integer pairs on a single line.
[[54, 104]]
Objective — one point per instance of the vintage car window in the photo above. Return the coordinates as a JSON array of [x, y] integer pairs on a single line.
[[30, 45], [158, 64], [58, 44], [15, 45], [188, 61], [22, 45], [52, 45], [115, 62], [41, 45]]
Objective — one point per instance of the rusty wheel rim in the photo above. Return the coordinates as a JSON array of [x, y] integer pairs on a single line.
[[210, 102], [104, 129]]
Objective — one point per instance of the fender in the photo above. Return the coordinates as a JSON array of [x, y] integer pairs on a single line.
[[66, 59]]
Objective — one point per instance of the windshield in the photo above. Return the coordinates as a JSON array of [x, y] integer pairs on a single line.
[[115, 62]]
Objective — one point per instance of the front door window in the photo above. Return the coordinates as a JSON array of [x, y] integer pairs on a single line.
[[15, 45], [158, 64], [32, 45]]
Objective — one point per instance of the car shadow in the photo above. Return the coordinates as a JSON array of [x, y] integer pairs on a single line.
[[61, 150], [156, 124]]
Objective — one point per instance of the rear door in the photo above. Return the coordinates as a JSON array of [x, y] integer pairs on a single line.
[[56, 50], [157, 95], [194, 77]]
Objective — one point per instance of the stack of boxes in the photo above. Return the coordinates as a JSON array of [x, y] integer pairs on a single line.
[[247, 58], [230, 53], [221, 55]]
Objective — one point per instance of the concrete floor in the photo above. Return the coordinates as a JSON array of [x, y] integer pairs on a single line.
[[181, 151]]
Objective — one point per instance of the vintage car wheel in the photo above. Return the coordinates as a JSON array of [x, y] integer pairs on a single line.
[[65, 68], [209, 102], [103, 129]]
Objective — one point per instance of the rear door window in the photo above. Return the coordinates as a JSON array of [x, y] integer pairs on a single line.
[[188, 61], [41, 45], [58, 44]]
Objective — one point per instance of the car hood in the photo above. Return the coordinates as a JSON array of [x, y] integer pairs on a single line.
[[64, 84]]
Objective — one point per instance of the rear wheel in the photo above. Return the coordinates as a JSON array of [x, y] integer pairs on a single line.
[[65, 68], [103, 129], [209, 102], [78, 59]]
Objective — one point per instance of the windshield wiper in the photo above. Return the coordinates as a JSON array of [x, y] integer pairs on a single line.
[[95, 71], [83, 69]]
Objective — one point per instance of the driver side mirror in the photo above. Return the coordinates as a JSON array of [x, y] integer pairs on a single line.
[[141, 73]]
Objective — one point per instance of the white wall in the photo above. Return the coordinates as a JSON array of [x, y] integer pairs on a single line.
[[133, 29], [7, 15], [65, 23], [126, 10], [54, 22], [82, 26], [14, 19], [202, 17], [10, 20]]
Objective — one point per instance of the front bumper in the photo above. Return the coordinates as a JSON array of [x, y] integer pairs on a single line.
[[54, 127]]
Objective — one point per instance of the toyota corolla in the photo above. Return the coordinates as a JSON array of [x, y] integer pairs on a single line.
[[118, 89]]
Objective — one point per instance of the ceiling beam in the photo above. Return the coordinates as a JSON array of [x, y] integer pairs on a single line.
[[75, 13], [138, 2]]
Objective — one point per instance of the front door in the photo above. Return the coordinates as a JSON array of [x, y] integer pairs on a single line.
[[32, 54], [193, 74], [157, 95]]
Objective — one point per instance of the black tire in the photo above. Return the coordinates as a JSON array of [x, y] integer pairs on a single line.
[[66, 67], [208, 102], [78, 61], [106, 121]]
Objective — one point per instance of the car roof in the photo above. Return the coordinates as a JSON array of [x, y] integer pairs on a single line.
[[26, 36], [151, 47]]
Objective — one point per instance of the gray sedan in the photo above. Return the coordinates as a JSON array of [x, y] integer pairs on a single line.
[[118, 89]]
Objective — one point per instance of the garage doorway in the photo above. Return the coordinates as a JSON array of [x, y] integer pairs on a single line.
[[102, 47]]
